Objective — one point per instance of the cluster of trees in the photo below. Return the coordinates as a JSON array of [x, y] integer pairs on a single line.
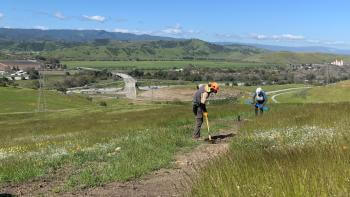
[[51, 63], [248, 75], [82, 79], [5, 82], [33, 74]]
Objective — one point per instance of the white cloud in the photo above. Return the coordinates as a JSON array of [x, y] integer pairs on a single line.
[[282, 37], [289, 37], [175, 30], [228, 36], [1, 15], [121, 30], [313, 41], [334, 42], [59, 15], [259, 37], [96, 18], [40, 27]]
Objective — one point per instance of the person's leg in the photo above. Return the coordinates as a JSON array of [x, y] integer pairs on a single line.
[[197, 129], [261, 111], [256, 111], [195, 109], [199, 122]]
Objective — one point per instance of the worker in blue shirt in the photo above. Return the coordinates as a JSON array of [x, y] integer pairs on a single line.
[[259, 99]]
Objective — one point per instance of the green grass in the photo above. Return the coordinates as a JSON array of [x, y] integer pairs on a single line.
[[322, 94], [26, 100], [120, 142], [160, 64], [294, 150], [284, 57], [248, 91], [267, 88]]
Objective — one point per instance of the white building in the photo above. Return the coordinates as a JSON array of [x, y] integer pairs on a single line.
[[19, 75], [338, 62]]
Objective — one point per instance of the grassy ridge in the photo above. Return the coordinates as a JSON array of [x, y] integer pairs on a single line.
[[294, 150]]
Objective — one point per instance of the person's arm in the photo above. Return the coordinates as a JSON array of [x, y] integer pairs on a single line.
[[204, 97], [254, 96], [265, 98]]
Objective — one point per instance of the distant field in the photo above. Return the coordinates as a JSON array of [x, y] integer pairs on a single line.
[[339, 92], [269, 87], [160, 64]]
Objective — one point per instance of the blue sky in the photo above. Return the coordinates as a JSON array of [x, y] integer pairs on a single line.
[[279, 22]]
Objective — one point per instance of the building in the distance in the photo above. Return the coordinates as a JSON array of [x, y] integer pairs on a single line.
[[338, 62], [19, 64]]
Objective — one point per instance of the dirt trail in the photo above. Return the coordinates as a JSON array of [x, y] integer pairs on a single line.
[[164, 182], [284, 91]]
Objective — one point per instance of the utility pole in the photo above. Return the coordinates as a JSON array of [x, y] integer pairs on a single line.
[[327, 74]]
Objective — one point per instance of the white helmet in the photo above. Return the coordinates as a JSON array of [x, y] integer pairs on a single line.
[[258, 90]]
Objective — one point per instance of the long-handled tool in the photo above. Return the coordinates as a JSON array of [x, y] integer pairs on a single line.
[[207, 121]]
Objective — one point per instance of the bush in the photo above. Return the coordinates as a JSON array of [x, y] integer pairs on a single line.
[[103, 103]]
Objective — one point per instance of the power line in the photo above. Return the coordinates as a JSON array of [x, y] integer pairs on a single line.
[[42, 103]]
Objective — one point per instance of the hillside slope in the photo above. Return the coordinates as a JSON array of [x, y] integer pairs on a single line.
[[67, 35], [186, 49]]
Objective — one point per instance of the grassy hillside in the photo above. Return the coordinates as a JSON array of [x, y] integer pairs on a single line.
[[187, 49], [109, 49], [294, 150], [25, 100], [339, 92], [66, 35], [93, 147]]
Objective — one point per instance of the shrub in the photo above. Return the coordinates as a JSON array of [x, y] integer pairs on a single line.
[[103, 103]]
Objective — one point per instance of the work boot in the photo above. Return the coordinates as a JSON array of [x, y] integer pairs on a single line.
[[196, 138]]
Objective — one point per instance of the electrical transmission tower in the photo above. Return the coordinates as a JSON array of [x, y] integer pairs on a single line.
[[42, 104]]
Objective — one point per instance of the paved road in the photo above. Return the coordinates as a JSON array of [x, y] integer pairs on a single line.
[[130, 85], [284, 91]]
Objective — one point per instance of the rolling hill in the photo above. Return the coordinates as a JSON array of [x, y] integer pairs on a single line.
[[153, 50], [64, 35], [86, 45]]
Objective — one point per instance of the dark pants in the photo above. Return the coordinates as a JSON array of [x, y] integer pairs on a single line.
[[198, 112], [259, 107]]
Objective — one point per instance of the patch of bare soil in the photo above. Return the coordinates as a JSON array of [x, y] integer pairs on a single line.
[[182, 94]]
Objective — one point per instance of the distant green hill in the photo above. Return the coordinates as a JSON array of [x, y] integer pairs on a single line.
[[87, 45], [152, 50], [63, 35]]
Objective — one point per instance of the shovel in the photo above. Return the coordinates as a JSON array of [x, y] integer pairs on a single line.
[[207, 121]]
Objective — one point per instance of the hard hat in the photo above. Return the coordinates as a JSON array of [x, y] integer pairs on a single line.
[[214, 87], [258, 90]]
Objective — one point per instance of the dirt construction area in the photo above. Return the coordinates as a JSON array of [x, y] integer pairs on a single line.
[[183, 93]]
